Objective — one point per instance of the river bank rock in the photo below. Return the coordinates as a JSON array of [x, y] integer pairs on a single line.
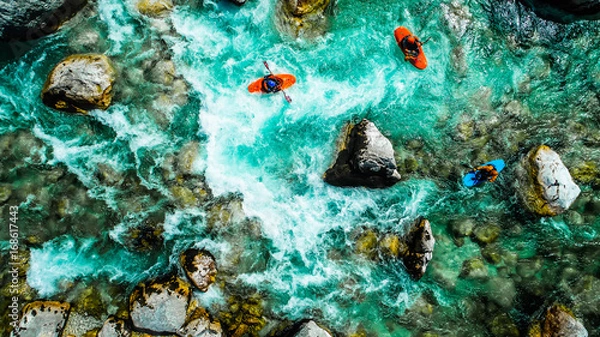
[[43, 318], [305, 328], [366, 158], [302, 18], [114, 327], [32, 19], [547, 188], [420, 242], [199, 324], [558, 321], [200, 267], [80, 83], [160, 306], [566, 11]]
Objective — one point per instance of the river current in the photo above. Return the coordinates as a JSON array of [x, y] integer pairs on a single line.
[[500, 81]]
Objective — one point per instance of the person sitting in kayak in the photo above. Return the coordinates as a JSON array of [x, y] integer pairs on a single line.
[[487, 172], [271, 84], [411, 45]]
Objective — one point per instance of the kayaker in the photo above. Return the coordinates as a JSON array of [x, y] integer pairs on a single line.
[[411, 45], [271, 84], [486, 172]]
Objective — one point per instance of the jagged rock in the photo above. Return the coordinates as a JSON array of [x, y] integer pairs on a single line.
[[154, 8], [302, 18], [200, 267], [32, 19], [566, 10], [80, 83], [547, 186], [160, 306], [306, 328], [558, 322], [200, 325], [43, 318], [114, 327], [420, 242], [366, 158]]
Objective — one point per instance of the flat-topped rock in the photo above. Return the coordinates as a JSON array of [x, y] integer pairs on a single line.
[[366, 158], [80, 83], [160, 306], [42, 318], [114, 327]]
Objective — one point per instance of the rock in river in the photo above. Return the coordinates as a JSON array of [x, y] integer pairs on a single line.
[[547, 186], [566, 10], [114, 327], [160, 306], [305, 328], [80, 83], [557, 322], [366, 158], [200, 267], [43, 318], [420, 242], [32, 19], [302, 18]]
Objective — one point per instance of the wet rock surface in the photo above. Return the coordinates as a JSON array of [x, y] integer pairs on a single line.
[[302, 18], [305, 328], [548, 188], [558, 321], [566, 10], [420, 243], [42, 318], [160, 306], [80, 83], [31, 19], [200, 267], [114, 327], [366, 158], [154, 8]]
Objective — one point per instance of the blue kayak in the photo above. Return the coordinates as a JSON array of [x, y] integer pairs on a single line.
[[470, 179]]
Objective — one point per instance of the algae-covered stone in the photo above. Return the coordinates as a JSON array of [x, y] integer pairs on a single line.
[[366, 244], [558, 321], [244, 316], [199, 324], [42, 318], [302, 18], [80, 83], [392, 245], [474, 268], [160, 306], [154, 8], [5, 193], [504, 326], [200, 267], [547, 186], [420, 242], [366, 158], [32, 19], [487, 233], [114, 327]]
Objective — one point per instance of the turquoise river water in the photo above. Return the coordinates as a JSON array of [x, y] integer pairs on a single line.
[[499, 82]]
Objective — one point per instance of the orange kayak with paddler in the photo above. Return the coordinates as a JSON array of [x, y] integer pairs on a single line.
[[263, 84], [411, 47]]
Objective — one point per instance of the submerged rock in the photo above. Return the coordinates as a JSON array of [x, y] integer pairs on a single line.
[[302, 18], [80, 83], [566, 10], [305, 328], [160, 306], [32, 19], [547, 187], [420, 242], [114, 327], [200, 267], [366, 158], [558, 321], [43, 318]]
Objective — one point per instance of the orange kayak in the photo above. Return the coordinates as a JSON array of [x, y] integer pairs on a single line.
[[420, 61], [287, 81]]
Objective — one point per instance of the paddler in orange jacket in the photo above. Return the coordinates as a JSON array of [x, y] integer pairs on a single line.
[[486, 172], [411, 45]]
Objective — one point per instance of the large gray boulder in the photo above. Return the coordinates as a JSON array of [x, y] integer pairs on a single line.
[[32, 19], [566, 10], [114, 327], [547, 187], [305, 328], [160, 306], [200, 267], [558, 322], [420, 243], [366, 158], [199, 324], [80, 83], [42, 318]]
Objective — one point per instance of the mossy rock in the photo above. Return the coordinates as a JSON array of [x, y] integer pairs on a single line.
[[487, 233], [504, 326], [155, 8], [367, 244], [244, 316]]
